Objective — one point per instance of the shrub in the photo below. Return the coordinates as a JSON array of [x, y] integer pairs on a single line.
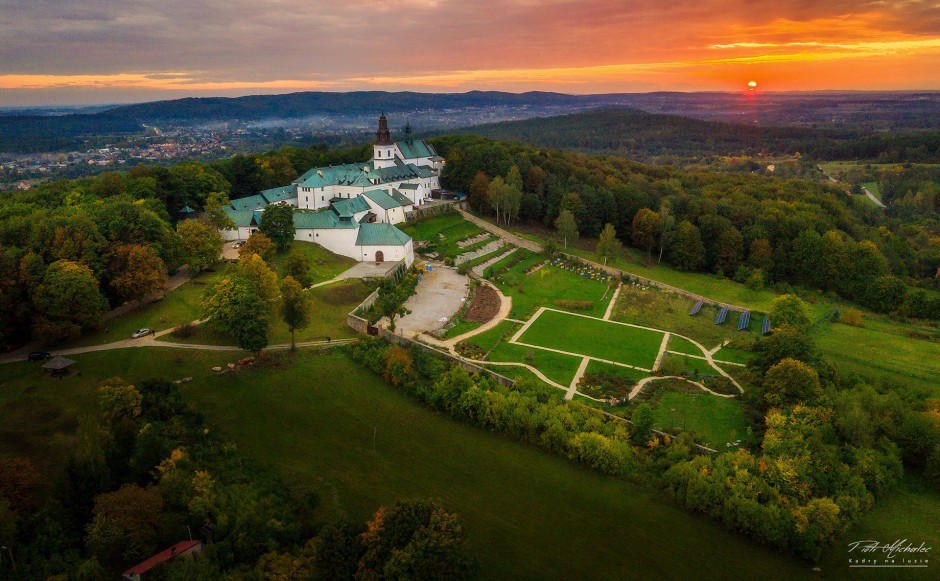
[[851, 316], [575, 305]]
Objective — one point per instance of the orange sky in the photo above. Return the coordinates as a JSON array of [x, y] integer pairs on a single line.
[[85, 51]]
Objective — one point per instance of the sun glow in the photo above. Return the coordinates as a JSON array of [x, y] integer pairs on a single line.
[[751, 85]]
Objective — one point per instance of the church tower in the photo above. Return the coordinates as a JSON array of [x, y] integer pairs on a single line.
[[384, 149]]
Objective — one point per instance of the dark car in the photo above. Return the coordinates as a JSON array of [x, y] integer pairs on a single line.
[[38, 356]]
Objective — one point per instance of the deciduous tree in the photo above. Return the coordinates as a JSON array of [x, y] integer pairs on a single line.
[[608, 245], [258, 244], [295, 307], [277, 223], [790, 382], [790, 310], [138, 272], [646, 224], [68, 301], [201, 243], [297, 265], [567, 227], [687, 251]]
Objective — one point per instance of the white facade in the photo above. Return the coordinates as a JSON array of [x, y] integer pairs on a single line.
[[389, 253]]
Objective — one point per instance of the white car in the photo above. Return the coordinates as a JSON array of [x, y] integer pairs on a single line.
[[238, 244], [141, 333]]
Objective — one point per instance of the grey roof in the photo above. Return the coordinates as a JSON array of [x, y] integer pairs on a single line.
[[280, 194], [400, 198], [58, 362]]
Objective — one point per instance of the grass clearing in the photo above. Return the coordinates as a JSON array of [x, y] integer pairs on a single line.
[[682, 345], [547, 285], [715, 420], [558, 367], [690, 366], [595, 338], [324, 264], [442, 233], [488, 339]]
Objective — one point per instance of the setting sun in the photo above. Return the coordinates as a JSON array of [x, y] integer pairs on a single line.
[[751, 85]]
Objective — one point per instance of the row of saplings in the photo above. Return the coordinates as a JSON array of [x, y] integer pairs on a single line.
[[147, 473], [826, 447]]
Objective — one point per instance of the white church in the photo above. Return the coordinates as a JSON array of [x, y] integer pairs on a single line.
[[351, 209]]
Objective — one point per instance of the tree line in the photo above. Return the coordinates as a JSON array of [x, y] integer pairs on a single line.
[[752, 228]]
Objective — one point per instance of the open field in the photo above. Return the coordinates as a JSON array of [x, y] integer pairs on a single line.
[[594, 338], [527, 514], [548, 285], [882, 351], [716, 420]]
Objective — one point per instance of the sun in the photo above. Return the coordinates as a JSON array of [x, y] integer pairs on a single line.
[[751, 85]]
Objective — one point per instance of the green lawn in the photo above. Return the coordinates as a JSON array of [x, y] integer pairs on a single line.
[[874, 188], [615, 371], [714, 420], [681, 365], [324, 265], [488, 339], [594, 337], [176, 308], [882, 351], [558, 367], [681, 345], [443, 232], [548, 285], [661, 309]]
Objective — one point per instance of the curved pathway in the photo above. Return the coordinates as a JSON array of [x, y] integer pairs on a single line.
[[642, 383]]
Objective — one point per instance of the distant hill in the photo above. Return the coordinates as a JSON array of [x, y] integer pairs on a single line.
[[644, 136]]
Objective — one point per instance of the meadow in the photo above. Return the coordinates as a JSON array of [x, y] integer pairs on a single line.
[[321, 420]]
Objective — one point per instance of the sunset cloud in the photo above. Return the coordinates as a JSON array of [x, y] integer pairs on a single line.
[[132, 49]]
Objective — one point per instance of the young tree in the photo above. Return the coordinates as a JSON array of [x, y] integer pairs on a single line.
[[295, 307], [297, 265], [687, 251], [201, 243], [567, 227], [214, 209], [642, 424], [138, 272], [258, 244], [608, 245], [495, 193], [646, 223], [68, 302], [790, 310], [277, 223]]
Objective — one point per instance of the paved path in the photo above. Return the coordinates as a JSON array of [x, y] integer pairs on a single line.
[[505, 305], [478, 269], [573, 388], [613, 303], [873, 198], [642, 383], [504, 234], [662, 351]]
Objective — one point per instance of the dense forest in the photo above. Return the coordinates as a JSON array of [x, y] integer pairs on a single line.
[[774, 231], [644, 136]]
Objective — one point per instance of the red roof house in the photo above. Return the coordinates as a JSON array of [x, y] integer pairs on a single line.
[[184, 549]]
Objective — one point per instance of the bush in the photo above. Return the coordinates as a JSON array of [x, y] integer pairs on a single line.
[[575, 305], [851, 316]]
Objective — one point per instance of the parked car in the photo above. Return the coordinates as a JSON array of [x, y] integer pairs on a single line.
[[238, 244], [38, 356], [141, 333]]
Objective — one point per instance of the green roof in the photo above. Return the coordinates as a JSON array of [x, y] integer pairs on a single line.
[[400, 198], [242, 218], [349, 206], [380, 234], [250, 203], [382, 199], [280, 194], [350, 174], [322, 220], [408, 187], [415, 148]]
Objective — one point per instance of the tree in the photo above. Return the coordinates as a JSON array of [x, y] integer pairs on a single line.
[[119, 400], [68, 301], [215, 213], [642, 424], [295, 307], [494, 194], [201, 243], [567, 227], [790, 382], [761, 255], [786, 342], [236, 307], [258, 244], [21, 484], [885, 294], [730, 249], [277, 223], [125, 523], [687, 251], [138, 272], [257, 272], [338, 551], [790, 310], [297, 265], [646, 223], [608, 245], [478, 191]]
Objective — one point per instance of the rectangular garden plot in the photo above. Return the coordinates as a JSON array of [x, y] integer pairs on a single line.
[[594, 338]]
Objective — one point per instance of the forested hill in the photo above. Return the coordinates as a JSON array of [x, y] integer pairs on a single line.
[[644, 136]]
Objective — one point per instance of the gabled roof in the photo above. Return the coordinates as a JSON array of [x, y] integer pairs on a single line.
[[187, 210], [382, 199], [250, 203], [408, 187], [415, 148], [280, 194], [397, 173], [349, 206], [322, 220], [178, 548], [58, 362], [242, 218], [338, 175], [400, 198], [380, 234]]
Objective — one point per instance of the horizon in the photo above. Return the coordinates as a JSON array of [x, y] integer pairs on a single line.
[[126, 52], [84, 105]]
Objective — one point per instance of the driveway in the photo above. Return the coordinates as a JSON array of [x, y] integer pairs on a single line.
[[441, 293]]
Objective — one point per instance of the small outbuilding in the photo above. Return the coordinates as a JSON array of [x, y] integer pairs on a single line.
[[58, 366], [182, 550]]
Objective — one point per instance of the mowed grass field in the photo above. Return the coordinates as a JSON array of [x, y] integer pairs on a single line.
[[528, 515], [595, 338], [716, 420], [548, 285]]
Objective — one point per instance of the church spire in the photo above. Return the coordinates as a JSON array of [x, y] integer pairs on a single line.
[[383, 136]]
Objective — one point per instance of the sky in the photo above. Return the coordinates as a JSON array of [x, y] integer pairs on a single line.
[[118, 51]]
